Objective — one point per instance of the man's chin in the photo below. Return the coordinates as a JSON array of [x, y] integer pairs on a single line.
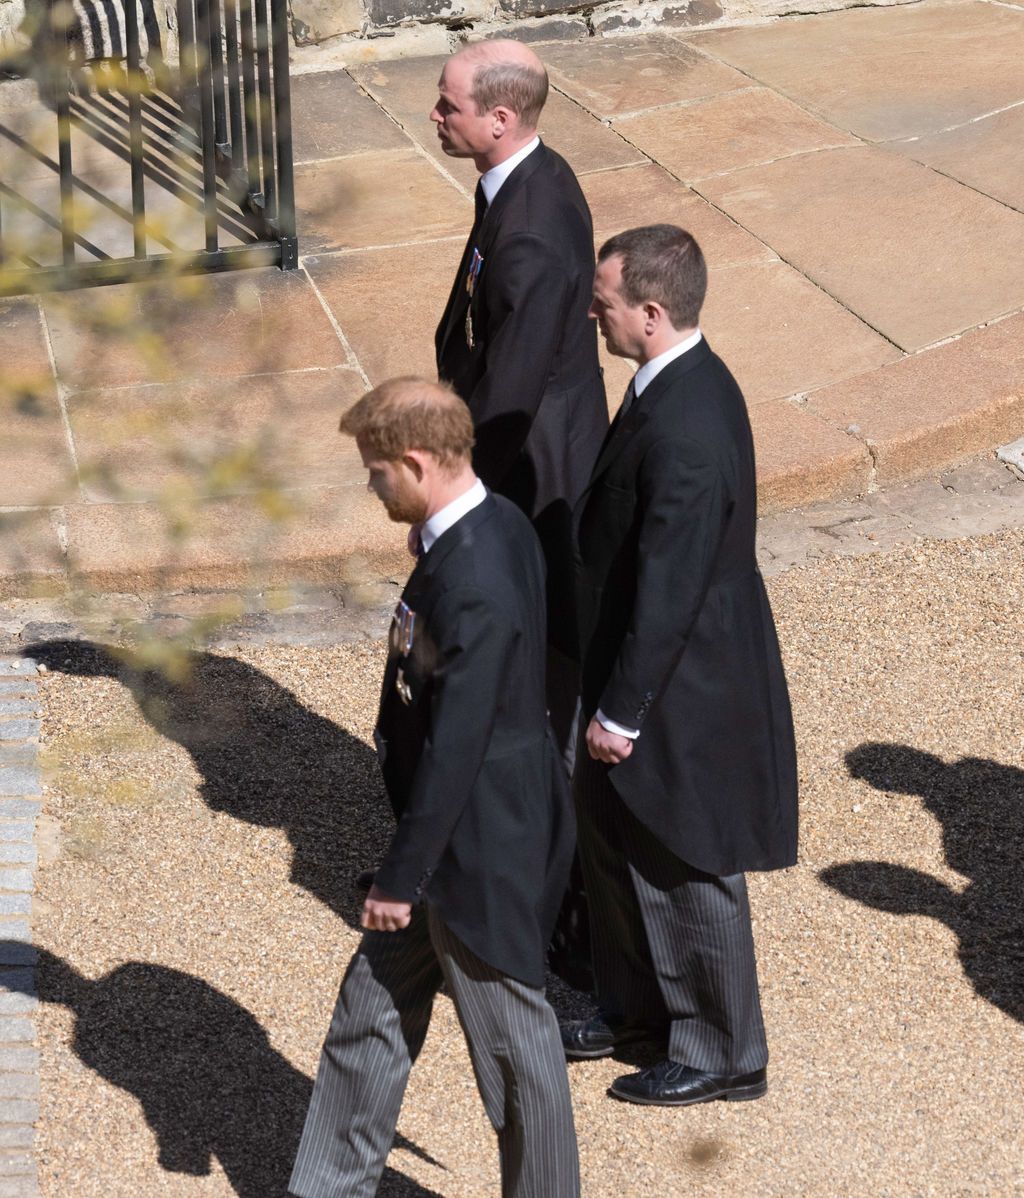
[[454, 151], [402, 515]]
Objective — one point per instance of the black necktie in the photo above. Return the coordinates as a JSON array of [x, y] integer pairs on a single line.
[[627, 399], [480, 202]]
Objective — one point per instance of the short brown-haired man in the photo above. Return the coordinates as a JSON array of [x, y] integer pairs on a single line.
[[468, 891], [688, 778]]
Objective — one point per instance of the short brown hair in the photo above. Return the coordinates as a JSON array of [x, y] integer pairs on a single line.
[[662, 263], [513, 85], [412, 413]]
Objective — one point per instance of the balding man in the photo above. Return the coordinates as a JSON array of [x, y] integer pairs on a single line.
[[468, 890], [514, 340]]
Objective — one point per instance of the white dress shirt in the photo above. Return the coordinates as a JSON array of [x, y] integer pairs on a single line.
[[451, 514], [641, 380], [492, 180]]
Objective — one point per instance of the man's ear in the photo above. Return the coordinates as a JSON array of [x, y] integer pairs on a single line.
[[654, 314], [504, 120], [413, 461]]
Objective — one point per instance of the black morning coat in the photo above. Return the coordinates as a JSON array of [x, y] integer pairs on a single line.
[[531, 378], [678, 637], [485, 826]]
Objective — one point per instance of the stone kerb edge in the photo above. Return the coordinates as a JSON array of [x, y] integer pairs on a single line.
[[20, 804]]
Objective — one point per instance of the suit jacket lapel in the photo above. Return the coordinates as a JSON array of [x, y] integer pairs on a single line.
[[431, 563], [622, 431], [482, 236]]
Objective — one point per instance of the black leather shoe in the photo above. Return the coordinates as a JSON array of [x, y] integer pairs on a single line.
[[588, 1039], [670, 1084], [364, 879]]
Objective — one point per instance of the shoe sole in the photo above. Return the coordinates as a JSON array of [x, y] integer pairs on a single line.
[[583, 1054], [595, 1054], [742, 1094]]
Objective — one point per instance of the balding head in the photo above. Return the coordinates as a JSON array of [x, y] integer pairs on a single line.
[[507, 74], [491, 96]]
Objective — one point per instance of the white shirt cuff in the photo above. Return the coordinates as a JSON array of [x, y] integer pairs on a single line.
[[611, 726]]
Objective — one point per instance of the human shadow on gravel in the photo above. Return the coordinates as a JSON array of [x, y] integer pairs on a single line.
[[264, 758], [200, 1065], [980, 804]]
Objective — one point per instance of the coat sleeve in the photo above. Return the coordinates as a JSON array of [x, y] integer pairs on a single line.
[[527, 294], [473, 640], [683, 506]]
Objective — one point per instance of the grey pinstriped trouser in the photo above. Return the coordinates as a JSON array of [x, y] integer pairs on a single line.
[[671, 944], [376, 1033]]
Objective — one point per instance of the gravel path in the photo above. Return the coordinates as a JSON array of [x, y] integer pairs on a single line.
[[194, 916]]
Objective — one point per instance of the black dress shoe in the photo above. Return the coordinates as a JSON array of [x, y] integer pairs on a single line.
[[588, 1039], [670, 1084], [364, 879]]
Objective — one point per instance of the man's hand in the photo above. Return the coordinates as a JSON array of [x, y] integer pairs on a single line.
[[382, 913], [607, 746]]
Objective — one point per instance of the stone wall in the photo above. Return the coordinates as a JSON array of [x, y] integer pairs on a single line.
[[316, 21], [388, 28]]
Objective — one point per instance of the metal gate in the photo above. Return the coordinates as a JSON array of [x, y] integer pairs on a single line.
[[154, 168]]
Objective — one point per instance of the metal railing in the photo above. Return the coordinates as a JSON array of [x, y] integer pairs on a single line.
[[207, 141]]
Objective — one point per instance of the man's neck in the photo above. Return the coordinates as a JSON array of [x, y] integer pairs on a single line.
[[501, 151], [657, 346], [448, 490]]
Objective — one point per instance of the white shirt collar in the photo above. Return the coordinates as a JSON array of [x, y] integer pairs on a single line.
[[451, 514], [492, 180], [655, 366]]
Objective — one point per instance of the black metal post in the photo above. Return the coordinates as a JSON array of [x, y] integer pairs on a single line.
[[216, 52], [207, 136], [250, 100], [235, 100], [135, 83], [283, 130], [57, 69], [266, 107]]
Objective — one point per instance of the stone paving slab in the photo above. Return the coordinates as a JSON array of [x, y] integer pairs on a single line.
[[863, 222], [886, 72], [986, 154], [215, 326], [34, 459], [187, 435], [333, 117], [757, 315], [31, 553], [616, 196], [125, 546], [17, 879], [342, 205], [371, 291], [18, 729], [947, 403], [19, 807], [613, 77], [800, 455], [728, 132], [19, 781]]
